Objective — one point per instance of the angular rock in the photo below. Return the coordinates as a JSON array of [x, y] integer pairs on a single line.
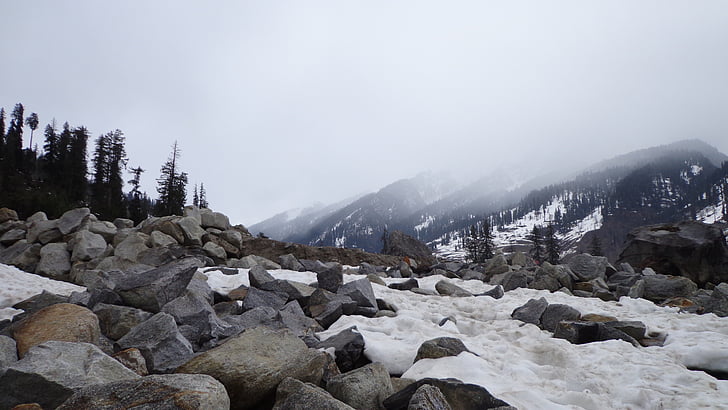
[[51, 372], [449, 289], [43, 228], [496, 293], [376, 279], [556, 313], [661, 287], [252, 260], [194, 311], [160, 342], [256, 317], [133, 360], [361, 292], [260, 298], [428, 397], [331, 277], [60, 322], [514, 280], [348, 348], [637, 290], [295, 290], [103, 228], [191, 230], [496, 265], [8, 352], [531, 312], [12, 236], [216, 252], [580, 332], [155, 257], [55, 261], [130, 248], [121, 223], [160, 239], [587, 267], [40, 301], [290, 262], [459, 395], [366, 269], [87, 246], [164, 391], [252, 364], [257, 276], [362, 388], [718, 302], [116, 321], [440, 347], [71, 220], [153, 289], [406, 285], [7, 214], [293, 394], [212, 219], [233, 237], [292, 317]]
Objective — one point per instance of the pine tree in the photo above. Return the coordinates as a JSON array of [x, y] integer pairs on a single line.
[[486, 236], [473, 245], [595, 246], [32, 122], [553, 248], [137, 211], [171, 186], [13, 154], [2, 136], [107, 197], [195, 197], [76, 166], [203, 197], [537, 251]]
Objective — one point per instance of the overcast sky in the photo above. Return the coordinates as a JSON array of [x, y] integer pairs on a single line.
[[280, 104]]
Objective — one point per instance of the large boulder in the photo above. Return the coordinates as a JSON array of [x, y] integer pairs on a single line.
[[164, 391], [692, 249], [657, 288], [428, 397], [362, 388], [587, 267], [62, 322], [348, 348], [252, 364], [130, 248], [399, 244], [116, 321], [211, 219], [194, 312], [440, 347], [7, 214], [450, 289], [72, 220], [459, 395], [51, 372], [87, 245], [294, 394], [153, 289], [191, 230], [531, 312], [55, 261], [361, 292]]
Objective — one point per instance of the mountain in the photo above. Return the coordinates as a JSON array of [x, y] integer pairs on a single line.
[[652, 185]]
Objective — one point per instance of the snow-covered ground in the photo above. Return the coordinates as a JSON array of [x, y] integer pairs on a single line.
[[517, 362], [16, 286]]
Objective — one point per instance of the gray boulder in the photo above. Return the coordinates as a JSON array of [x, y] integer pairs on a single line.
[[449, 289], [12, 236], [43, 230], [253, 363], [8, 352], [163, 391], [330, 277], [72, 220], [210, 219], [440, 347], [292, 317], [160, 342], [193, 311], [514, 280], [249, 261], [294, 394], [55, 261], [428, 397], [661, 287], [580, 332], [121, 223], [459, 395], [257, 276], [555, 313], [290, 262], [327, 307], [362, 388], [409, 284], [361, 292], [87, 246], [348, 348], [295, 290], [153, 289], [116, 321], [718, 302], [367, 269], [531, 312], [496, 293], [191, 230], [130, 248], [160, 239], [51, 372], [587, 267], [233, 237], [216, 252], [263, 298], [104, 228], [21, 254]]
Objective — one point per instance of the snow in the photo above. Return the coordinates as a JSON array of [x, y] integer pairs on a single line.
[[516, 362], [18, 285]]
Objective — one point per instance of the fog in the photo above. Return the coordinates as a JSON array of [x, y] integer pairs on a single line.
[[278, 105]]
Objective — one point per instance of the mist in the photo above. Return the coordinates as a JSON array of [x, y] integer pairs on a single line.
[[279, 105]]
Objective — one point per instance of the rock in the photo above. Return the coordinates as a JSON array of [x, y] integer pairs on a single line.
[[133, 360], [292, 317], [440, 347], [9, 352], [40, 301], [514, 280], [406, 285], [330, 277], [55, 261], [448, 289], [290, 262], [153, 289], [555, 313], [531, 312], [194, 311], [373, 278], [545, 282], [130, 248], [216, 252], [160, 342], [367, 268], [212, 219], [12, 236], [295, 290], [362, 388], [718, 302], [399, 244], [7, 214], [87, 246], [51, 372], [293, 394], [519, 258], [661, 287], [257, 276], [691, 249], [169, 227], [61, 322], [258, 298], [160, 239], [428, 397], [587, 267], [637, 290], [155, 257], [191, 230], [459, 395], [253, 363], [122, 223], [497, 264], [233, 237], [348, 347], [164, 391], [633, 328], [21, 254], [580, 332], [104, 228], [405, 270], [116, 321], [327, 307], [44, 231], [496, 293], [361, 292], [71, 220]]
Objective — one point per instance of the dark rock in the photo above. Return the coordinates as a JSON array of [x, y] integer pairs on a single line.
[[291, 316], [257, 275], [348, 347], [440, 347], [361, 292], [253, 363], [406, 285], [531, 312], [449, 289], [661, 287], [7, 214], [718, 302], [362, 388], [293, 394], [327, 307], [194, 311], [153, 289], [496, 293], [160, 342], [556, 313], [51, 372], [580, 332], [259, 316], [164, 391], [290, 262], [295, 290], [227, 308], [691, 249], [133, 360], [428, 397], [367, 269], [258, 298], [330, 278], [633, 328], [116, 321], [587, 267], [12, 236], [459, 395], [40, 301], [9, 352], [399, 244], [515, 280]]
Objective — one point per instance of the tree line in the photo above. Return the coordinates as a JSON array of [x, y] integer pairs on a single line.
[[57, 177]]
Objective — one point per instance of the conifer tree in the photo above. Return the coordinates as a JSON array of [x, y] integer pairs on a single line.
[[487, 240], [553, 248], [171, 186], [2, 135], [32, 122], [595, 246], [107, 197], [195, 197], [138, 211], [13, 153], [537, 251], [76, 166], [203, 197]]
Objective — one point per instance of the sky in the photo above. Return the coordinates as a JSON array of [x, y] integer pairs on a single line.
[[281, 104]]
